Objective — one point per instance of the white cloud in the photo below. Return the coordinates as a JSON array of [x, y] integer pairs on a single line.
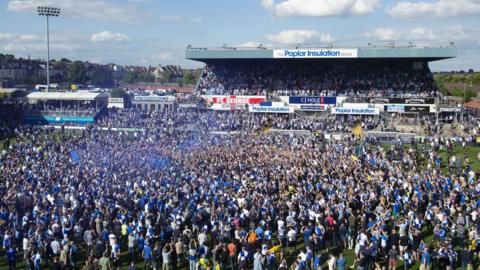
[[172, 18], [19, 37], [420, 33], [249, 44], [180, 19], [6, 36], [64, 41], [440, 35], [29, 48], [98, 10], [383, 33], [391, 34], [438, 8], [139, 1], [320, 8], [107, 36], [289, 37], [156, 58], [161, 56], [91, 9]]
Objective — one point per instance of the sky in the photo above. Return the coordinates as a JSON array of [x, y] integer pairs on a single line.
[[153, 32]]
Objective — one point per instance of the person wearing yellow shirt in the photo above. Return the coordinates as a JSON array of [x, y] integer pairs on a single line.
[[124, 232], [204, 263]]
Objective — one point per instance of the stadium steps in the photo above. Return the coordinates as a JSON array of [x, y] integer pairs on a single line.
[[386, 116], [198, 81]]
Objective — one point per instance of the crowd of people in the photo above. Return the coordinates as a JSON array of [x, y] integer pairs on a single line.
[[239, 120], [171, 196], [311, 79]]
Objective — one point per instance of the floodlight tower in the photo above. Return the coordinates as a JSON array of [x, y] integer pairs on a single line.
[[48, 12]]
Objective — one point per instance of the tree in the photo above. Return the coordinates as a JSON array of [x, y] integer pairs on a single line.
[[162, 79], [188, 78], [130, 77], [35, 80], [56, 78], [77, 73], [118, 93], [146, 77], [9, 57], [101, 76]]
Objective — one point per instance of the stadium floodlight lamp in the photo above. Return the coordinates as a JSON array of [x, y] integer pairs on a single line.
[[48, 12]]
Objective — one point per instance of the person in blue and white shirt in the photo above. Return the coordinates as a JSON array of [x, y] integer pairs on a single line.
[[407, 259], [243, 259]]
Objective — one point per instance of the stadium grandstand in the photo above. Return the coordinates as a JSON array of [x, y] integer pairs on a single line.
[[80, 107], [319, 71]]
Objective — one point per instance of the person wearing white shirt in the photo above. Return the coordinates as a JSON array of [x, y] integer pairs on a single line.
[[55, 245], [25, 246], [363, 239], [292, 239], [280, 224], [202, 237], [88, 238], [331, 262], [112, 239]]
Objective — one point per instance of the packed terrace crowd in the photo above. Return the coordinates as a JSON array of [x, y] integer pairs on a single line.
[[310, 79], [234, 120], [170, 197]]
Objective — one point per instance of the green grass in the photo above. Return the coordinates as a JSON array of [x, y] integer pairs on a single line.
[[2, 142], [459, 152]]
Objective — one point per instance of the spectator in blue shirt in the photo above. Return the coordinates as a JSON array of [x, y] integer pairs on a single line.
[[147, 256], [11, 258], [341, 262], [259, 232], [132, 266]]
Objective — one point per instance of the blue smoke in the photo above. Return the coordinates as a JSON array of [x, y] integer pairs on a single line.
[[74, 156], [158, 162]]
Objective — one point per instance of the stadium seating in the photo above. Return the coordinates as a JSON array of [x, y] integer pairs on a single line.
[[310, 78]]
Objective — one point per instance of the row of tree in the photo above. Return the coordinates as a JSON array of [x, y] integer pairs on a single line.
[[459, 84], [188, 77], [133, 77], [76, 72]]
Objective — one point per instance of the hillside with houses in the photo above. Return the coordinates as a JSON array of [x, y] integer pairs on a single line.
[[28, 72]]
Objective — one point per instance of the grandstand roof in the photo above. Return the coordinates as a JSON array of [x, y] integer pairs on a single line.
[[9, 91], [81, 96], [226, 53]]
